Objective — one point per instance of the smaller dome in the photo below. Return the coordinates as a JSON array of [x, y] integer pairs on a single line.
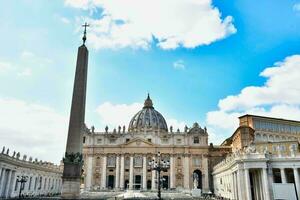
[[148, 119]]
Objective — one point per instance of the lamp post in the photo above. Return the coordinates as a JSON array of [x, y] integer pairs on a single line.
[[159, 166], [22, 179]]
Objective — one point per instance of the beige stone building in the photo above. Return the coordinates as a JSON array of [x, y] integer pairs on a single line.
[[264, 163], [119, 159]]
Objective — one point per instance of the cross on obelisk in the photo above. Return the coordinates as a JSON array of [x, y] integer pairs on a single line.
[[84, 32], [73, 160]]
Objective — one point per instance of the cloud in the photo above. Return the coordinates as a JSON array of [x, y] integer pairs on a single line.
[[5, 66], [278, 97], [296, 7], [179, 64], [25, 72], [65, 20], [138, 23], [24, 124], [114, 115]]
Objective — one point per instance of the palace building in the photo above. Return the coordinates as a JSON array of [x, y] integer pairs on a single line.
[[119, 159]]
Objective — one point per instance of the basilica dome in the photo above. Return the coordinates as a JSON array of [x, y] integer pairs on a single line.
[[148, 119]]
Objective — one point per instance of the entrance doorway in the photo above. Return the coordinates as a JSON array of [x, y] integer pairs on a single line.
[[165, 183], [137, 182], [149, 185], [111, 181], [197, 178]]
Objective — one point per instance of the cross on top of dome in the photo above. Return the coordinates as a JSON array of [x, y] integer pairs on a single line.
[[148, 102]]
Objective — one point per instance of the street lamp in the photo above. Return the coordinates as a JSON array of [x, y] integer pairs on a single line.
[[159, 166], [22, 179]]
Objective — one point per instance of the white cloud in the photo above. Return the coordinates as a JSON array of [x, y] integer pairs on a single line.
[[25, 72], [39, 127], [114, 115], [179, 64], [278, 97], [174, 23], [296, 7], [65, 20], [5, 66]]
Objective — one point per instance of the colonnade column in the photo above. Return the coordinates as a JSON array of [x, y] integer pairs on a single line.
[[266, 184], [297, 183], [186, 172], [117, 186], [283, 176], [122, 173], [8, 183], [239, 184], [247, 184], [172, 172], [144, 173], [131, 173], [103, 184], [2, 174]]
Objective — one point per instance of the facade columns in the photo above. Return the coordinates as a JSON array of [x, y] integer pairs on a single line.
[[266, 183], [117, 185], [297, 181], [122, 173], [206, 179], [131, 173], [144, 173], [89, 173], [247, 184], [172, 172], [283, 176], [103, 184], [2, 173], [186, 172]]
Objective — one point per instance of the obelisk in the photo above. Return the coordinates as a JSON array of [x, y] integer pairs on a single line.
[[73, 156]]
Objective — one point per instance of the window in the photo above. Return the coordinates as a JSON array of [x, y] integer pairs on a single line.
[[99, 140], [83, 140], [111, 161], [178, 141], [149, 139], [196, 161], [196, 140], [127, 139], [164, 140], [138, 161], [112, 140]]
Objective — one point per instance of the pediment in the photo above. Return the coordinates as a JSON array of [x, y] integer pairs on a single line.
[[138, 142]]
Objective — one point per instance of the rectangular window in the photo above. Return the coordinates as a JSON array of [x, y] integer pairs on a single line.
[[178, 141], [138, 161], [111, 162], [149, 139], [127, 139], [99, 141], [196, 140]]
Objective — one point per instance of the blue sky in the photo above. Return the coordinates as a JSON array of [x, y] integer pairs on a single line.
[[188, 81]]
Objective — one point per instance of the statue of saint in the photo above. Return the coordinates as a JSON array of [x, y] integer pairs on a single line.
[[195, 180]]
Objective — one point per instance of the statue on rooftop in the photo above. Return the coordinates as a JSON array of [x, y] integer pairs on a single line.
[[3, 149], [106, 129]]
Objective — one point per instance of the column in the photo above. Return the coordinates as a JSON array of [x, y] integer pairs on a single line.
[[117, 185], [206, 177], [2, 173], [103, 184], [122, 173], [8, 184], [247, 184], [153, 180], [239, 182], [144, 173], [266, 184], [131, 173], [89, 173], [297, 181], [283, 176], [186, 172], [172, 172]]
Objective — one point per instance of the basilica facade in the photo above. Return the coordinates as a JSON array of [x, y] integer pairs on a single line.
[[118, 159]]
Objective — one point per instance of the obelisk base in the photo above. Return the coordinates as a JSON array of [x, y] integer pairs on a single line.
[[71, 180], [71, 189]]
